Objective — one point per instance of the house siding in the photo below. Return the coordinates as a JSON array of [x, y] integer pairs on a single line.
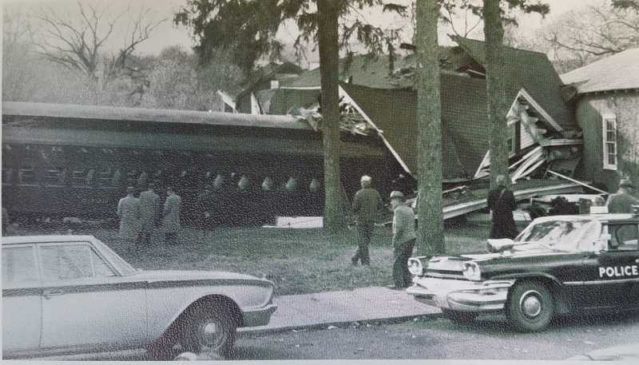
[[589, 111]]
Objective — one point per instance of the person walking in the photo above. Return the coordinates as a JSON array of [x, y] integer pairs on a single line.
[[149, 214], [403, 239], [623, 200], [501, 202], [366, 205], [129, 214], [171, 216]]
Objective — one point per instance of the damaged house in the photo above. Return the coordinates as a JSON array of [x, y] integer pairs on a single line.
[[541, 126], [605, 95]]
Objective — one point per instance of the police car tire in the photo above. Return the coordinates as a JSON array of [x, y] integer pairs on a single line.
[[534, 297], [459, 317]]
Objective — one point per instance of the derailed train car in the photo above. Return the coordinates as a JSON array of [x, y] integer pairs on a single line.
[[77, 160]]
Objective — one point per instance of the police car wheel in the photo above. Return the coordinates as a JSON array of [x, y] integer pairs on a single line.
[[459, 317], [530, 306]]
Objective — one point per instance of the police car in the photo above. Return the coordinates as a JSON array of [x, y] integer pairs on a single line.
[[557, 265]]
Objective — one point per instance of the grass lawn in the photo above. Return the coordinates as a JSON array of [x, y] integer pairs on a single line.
[[297, 260]]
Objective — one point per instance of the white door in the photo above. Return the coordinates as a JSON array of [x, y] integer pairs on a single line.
[[86, 303], [21, 300]]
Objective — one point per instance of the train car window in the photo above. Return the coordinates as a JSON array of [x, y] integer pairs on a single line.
[[268, 184], [132, 177], [314, 186], [53, 176], [291, 184], [91, 177], [116, 179], [105, 176], [143, 180], [79, 177], [8, 175], [27, 175]]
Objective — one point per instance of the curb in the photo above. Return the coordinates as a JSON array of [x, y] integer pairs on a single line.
[[340, 324]]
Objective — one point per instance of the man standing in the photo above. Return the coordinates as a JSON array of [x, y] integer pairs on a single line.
[[149, 214], [129, 214], [622, 201], [403, 239], [501, 203], [171, 216], [366, 206]]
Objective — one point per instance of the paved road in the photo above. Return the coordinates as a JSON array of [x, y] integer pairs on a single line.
[[488, 338]]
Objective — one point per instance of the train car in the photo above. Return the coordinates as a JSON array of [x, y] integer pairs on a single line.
[[77, 160]]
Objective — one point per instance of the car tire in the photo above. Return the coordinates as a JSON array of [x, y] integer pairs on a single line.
[[530, 306], [160, 351], [209, 329], [459, 317]]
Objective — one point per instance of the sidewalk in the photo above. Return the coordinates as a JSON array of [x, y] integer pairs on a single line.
[[320, 310]]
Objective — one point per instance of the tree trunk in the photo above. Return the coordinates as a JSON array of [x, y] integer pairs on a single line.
[[497, 105], [329, 71], [430, 233]]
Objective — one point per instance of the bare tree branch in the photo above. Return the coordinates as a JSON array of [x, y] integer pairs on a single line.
[[80, 44]]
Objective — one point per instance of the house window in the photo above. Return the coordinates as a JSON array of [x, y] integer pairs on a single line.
[[609, 124]]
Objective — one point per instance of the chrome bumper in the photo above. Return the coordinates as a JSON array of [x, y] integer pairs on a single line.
[[258, 317], [461, 295]]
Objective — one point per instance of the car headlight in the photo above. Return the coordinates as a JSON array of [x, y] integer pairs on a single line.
[[472, 271], [415, 266]]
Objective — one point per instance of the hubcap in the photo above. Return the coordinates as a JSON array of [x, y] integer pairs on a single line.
[[209, 334], [530, 304]]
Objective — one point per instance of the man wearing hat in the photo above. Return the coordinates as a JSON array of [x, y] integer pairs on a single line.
[[149, 214], [622, 201], [403, 239], [366, 205], [129, 214]]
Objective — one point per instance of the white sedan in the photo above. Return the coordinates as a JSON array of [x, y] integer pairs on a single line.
[[73, 294]]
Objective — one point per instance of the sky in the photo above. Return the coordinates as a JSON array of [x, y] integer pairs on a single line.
[[167, 34]]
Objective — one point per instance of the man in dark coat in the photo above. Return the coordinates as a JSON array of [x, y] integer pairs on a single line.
[[622, 201], [501, 202], [149, 214], [366, 206]]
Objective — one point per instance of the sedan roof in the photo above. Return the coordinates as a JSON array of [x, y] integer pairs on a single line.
[[13, 240]]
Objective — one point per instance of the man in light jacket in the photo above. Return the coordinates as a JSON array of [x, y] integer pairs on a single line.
[[403, 239], [171, 216], [129, 214]]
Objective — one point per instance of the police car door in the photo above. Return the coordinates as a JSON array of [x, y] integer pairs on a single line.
[[618, 266]]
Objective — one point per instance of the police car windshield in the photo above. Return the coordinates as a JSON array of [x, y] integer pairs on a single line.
[[560, 235]]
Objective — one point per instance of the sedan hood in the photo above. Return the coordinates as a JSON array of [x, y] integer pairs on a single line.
[[175, 275]]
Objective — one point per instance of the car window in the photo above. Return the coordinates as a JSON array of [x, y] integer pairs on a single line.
[[624, 237], [569, 235], [18, 266], [72, 261]]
